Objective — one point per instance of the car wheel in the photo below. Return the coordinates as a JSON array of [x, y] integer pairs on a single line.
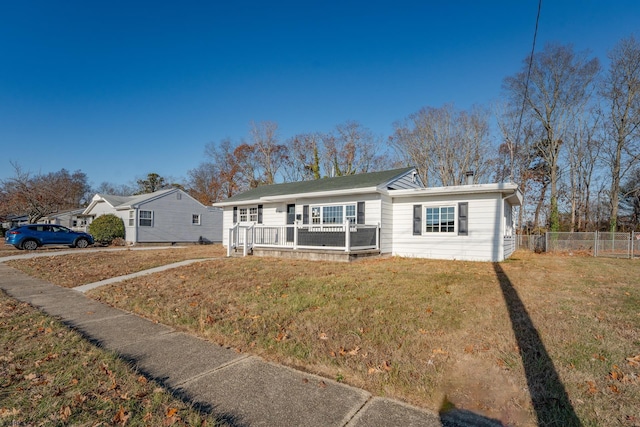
[[82, 243], [30, 245]]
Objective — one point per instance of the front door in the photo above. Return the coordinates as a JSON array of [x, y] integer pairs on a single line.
[[291, 219]]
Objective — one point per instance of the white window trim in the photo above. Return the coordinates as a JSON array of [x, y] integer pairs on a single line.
[[248, 214], [132, 218], [140, 219], [454, 232], [197, 217], [344, 213]]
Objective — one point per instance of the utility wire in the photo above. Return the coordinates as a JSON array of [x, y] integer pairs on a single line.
[[526, 87]]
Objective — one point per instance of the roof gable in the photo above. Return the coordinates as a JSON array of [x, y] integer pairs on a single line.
[[350, 182]]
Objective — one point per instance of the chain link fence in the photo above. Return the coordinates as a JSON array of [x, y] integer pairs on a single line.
[[598, 243]]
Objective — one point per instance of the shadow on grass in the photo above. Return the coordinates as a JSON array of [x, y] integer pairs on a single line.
[[548, 395]]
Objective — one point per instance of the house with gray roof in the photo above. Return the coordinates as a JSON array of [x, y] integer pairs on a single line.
[[388, 212], [164, 216]]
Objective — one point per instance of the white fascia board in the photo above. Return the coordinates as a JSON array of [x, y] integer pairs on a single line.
[[289, 197], [505, 188]]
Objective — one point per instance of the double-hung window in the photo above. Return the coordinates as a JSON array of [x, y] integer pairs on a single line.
[[132, 218], [253, 214], [243, 214], [145, 219], [195, 219]]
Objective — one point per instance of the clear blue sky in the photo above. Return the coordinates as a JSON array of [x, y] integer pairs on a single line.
[[120, 89]]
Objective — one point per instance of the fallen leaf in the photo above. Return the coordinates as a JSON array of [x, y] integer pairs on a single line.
[[323, 336], [171, 412], [469, 348], [386, 366], [592, 387], [65, 413], [439, 350], [634, 361], [121, 417], [614, 388], [354, 351], [142, 379]]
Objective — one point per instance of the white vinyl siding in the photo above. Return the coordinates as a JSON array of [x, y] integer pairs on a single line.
[[484, 239]]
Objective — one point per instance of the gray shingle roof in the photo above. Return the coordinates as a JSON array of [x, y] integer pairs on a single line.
[[363, 180], [126, 201]]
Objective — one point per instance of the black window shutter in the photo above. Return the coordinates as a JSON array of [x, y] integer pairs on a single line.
[[235, 214], [417, 220], [305, 214], [360, 217], [259, 214], [463, 219]]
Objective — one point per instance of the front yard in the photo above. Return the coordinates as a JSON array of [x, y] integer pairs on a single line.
[[538, 339]]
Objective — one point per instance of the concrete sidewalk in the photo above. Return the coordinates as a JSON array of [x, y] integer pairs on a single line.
[[243, 390]]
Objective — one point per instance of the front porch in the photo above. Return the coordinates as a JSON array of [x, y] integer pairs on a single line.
[[344, 242]]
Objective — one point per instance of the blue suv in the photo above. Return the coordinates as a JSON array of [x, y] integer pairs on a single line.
[[31, 236]]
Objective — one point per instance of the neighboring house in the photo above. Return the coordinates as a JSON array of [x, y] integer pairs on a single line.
[[73, 219], [15, 221], [388, 212], [165, 216]]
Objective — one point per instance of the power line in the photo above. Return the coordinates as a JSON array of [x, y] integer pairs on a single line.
[[526, 85]]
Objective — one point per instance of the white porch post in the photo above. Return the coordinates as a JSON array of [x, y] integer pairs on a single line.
[[295, 234], [244, 243], [229, 242], [347, 235]]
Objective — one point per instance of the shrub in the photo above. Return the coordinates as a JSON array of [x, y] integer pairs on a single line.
[[106, 228]]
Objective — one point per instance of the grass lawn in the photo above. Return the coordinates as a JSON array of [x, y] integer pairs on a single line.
[[538, 339]]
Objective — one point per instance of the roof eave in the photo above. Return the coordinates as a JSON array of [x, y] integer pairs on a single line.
[[291, 197], [507, 189]]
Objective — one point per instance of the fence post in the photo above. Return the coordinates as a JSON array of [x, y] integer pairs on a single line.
[[595, 244], [633, 249], [546, 241]]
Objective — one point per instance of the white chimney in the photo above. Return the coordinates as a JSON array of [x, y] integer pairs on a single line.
[[469, 175]]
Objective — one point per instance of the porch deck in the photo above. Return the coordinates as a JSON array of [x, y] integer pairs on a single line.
[[346, 242]]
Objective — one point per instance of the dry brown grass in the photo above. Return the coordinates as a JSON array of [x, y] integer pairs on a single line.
[[538, 339], [92, 266]]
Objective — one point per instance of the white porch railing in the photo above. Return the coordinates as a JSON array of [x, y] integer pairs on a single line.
[[345, 237]]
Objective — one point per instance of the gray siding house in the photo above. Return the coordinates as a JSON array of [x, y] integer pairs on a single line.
[[165, 216]]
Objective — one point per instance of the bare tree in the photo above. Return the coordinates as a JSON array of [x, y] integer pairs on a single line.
[[304, 158], [268, 156], [621, 93], [41, 195], [559, 87], [583, 150], [349, 150], [444, 144], [114, 189], [223, 156], [204, 183]]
